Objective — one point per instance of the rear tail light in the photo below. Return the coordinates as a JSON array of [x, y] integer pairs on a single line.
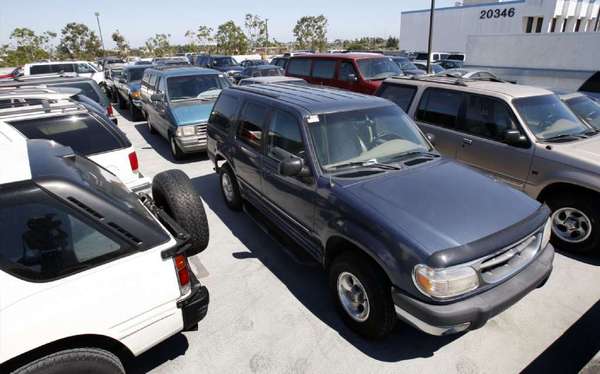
[[109, 110], [133, 161], [183, 274]]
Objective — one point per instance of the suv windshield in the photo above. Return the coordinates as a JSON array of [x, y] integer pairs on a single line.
[[587, 109], [376, 135], [378, 68], [136, 74], [196, 87], [224, 61], [405, 64], [548, 117]]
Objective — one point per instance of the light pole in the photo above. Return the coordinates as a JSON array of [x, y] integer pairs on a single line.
[[97, 14], [430, 37], [267, 32]]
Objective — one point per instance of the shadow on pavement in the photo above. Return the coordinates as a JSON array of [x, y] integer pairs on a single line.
[[586, 259], [161, 145], [308, 282], [168, 350]]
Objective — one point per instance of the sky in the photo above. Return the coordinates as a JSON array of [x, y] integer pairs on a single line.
[[139, 20]]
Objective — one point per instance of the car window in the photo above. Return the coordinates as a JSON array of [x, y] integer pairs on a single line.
[[347, 71], [223, 112], [152, 80], [85, 68], [84, 133], [440, 107], [162, 87], [43, 240], [487, 117], [86, 89], [587, 109], [62, 68], [284, 138], [196, 86], [299, 66], [40, 69], [251, 124], [399, 94], [324, 69], [136, 73]]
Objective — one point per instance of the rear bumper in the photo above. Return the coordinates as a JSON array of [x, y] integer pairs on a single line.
[[474, 312], [194, 307]]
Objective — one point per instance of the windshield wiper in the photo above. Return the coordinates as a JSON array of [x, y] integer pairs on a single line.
[[566, 137], [413, 153], [592, 132], [370, 164]]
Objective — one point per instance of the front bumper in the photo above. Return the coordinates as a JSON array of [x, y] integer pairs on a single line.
[[194, 307], [472, 313], [192, 143], [137, 102]]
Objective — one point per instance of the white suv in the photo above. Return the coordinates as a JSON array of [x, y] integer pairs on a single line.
[[82, 68], [41, 113], [91, 274]]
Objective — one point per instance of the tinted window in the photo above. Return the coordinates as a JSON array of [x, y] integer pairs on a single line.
[[40, 69], [299, 66], [440, 107], [86, 89], [223, 112], [224, 61], [487, 117], [284, 138], [203, 60], [62, 68], [195, 86], [324, 69], [401, 95], [85, 68], [162, 87], [41, 240], [378, 68], [346, 70], [152, 80], [136, 74], [587, 109], [251, 124], [83, 133]]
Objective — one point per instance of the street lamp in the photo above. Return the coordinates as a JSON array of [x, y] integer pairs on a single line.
[[97, 14], [430, 37]]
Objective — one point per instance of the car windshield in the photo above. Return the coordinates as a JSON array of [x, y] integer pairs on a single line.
[[136, 74], [86, 89], [225, 61], [196, 87], [586, 109], [376, 135], [378, 68], [548, 117], [405, 64]]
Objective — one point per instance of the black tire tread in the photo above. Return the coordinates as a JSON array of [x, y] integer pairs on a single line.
[[237, 202], [54, 360]]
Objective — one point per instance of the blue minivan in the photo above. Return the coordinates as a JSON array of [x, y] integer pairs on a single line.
[[177, 101]]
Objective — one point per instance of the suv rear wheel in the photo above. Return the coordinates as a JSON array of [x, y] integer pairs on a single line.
[[575, 222], [361, 292], [230, 188], [173, 191], [80, 360]]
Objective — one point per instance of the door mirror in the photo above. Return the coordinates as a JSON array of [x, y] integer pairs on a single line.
[[157, 97], [431, 138], [515, 138], [292, 167], [352, 77]]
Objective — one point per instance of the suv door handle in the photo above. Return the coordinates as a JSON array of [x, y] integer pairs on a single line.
[[467, 141]]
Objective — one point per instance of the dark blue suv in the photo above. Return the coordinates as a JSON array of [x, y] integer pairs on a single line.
[[402, 231]]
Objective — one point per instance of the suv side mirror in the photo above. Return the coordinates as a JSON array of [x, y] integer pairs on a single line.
[[293, 167], [352, 77], [515, 138], [157, 97]]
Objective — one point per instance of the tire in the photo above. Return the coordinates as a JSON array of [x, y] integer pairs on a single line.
[[380, 317], [177, 153], [233, 198], [174, 193], [134, 113], [80, 360], [122, 103], [572, 205], [151, 129]]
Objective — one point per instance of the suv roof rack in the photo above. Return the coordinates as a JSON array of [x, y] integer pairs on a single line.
[[172, 66], [24, 78], [450, 79], [18, 105]]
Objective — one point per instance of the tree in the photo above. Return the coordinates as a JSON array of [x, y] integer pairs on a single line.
[[202, 38], [79, 42], [122, 45], [231, 39], [391, 42], [159, 45], [191, 37], [28, 46], [311, 32], [256, 29]]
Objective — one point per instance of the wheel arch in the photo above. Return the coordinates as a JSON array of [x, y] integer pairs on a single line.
[[563, 188]]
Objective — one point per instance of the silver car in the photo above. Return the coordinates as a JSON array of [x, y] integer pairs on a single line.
[[523, 135]]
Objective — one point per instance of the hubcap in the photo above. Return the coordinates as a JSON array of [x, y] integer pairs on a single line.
[[227, 186], [353, 297], [571, 225]]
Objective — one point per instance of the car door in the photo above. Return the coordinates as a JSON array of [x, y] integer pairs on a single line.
[[486, 120], [438, 114], [299, 67], [323, 72], [347, 76], [248, 147], [220, 123], [290, 198], [161, 106]]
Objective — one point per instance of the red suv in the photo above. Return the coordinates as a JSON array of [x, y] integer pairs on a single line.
[[359, 72]]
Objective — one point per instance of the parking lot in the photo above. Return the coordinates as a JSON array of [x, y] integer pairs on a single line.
[[270, 310]]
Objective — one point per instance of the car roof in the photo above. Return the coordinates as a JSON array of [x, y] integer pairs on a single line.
[[346, 56], [315, 100], [273, 79], [179, 70], [40, 80], [58, 62], [507, 89], [263, 67], [571, 95]]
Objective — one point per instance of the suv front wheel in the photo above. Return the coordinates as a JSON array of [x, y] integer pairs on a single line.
[[81, 360], [362, 294], [177, 154], [230, 188], [575, 223]]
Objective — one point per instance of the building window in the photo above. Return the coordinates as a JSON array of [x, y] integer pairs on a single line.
[[553, 25], [538, 26], [529, 26], [564, 25], [577, 24]]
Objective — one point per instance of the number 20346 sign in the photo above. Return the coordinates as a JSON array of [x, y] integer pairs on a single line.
[[496, 13]]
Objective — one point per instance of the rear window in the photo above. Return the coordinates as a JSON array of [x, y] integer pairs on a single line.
[[84, 133], [299, 66], [440, 107], [86, 89], [400, 95], [136, 74]]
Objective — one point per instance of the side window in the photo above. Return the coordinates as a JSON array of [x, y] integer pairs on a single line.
[[43, 240], [39, 69], [152, 80], [146, 78], [399, 94], [440, 107], [252, 119], [284, 138], [223, 112], [347, 71], [84, 68], [162, 86], [299, 66], [487, 117], [63, 68], [324, 69]]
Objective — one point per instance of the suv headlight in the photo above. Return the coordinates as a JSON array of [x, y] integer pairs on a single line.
[[136, 95], [547, 233], [186, 131], [445, 283]]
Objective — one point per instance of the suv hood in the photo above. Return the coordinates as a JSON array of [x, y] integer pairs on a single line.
[[191, 111], [134, 85], [229, 68], [442, 204]]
